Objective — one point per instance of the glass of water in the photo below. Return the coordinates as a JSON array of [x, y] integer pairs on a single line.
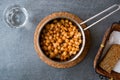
[[16, 16]]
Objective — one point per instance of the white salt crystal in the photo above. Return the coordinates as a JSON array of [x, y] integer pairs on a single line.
[[113, 39]]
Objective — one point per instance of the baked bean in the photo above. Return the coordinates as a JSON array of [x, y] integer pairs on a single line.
[[60, 39]]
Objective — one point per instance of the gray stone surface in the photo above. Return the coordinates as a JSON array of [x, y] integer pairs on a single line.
[[18, 59]]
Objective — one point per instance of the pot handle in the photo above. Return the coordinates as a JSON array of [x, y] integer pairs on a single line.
[[113, 6]]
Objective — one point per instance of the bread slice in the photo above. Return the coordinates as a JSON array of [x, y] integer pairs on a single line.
[[111, 58]]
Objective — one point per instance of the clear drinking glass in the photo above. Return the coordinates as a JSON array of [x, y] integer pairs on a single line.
[[16, 16]]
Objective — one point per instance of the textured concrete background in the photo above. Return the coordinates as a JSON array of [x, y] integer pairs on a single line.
[[18, 59]]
